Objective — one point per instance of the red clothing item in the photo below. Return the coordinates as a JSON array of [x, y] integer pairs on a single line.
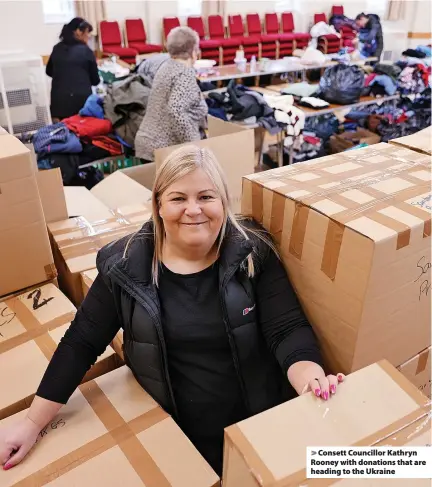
[[110, 145], [88, 126], [370, 78]]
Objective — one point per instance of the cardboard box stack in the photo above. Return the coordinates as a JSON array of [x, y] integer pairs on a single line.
[[354, 234], [31, 326], [420, 141], [25, 258], [114, 208], [111, 433], [418, 371], [376, 406]]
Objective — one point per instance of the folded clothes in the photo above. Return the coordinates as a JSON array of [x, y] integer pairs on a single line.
[[93, 107], [300, 89], [88, 126], [388, 83], [56, 138], [414, 53], [310, 101]]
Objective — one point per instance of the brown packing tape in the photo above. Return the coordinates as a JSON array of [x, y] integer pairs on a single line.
[[50, 271], [34, 330], [403, 230], [427, 229], [422, 361], [298, 232], [257, 202], [332, 246], [277, 216], [119, 433]]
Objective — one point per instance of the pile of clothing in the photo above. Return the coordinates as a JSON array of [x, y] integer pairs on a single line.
[[348, 29], [77, 141], [383, 81], [415, 68], [239, 103]]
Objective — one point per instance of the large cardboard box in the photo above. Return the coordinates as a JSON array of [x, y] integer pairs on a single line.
[[25, 258], [376, 406], [420, 141], [31, 326], [111, 433], [418, 371], [353, 231], [235, 153], [87, 279]]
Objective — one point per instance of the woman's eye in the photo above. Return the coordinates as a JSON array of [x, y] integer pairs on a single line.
[[207, 197], [179, 198]]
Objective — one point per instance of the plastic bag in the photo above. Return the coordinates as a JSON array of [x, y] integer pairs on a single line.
[[342, 84]]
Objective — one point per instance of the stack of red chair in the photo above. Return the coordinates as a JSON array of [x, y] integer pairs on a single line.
[[210, 48], [217, 32], [348, 34], [136, 37], [111, 42], [286, 40], [329, 43], [301, 38], [269, 42], [251, 43]]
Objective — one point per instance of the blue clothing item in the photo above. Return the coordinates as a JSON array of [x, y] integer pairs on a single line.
[[426, 49], [44, 164], [389, 84], [71, 145], [93, 107], [218, 113], [55, 138]]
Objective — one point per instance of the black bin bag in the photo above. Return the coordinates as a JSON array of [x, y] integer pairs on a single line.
[[342, 84]]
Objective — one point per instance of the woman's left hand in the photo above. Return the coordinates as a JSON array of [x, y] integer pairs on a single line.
[[324, 386]]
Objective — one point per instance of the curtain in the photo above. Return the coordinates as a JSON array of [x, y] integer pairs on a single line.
[[395, 10], [213, 7], [91, 10]]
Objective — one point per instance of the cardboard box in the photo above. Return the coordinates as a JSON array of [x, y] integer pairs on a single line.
[[235, 153], [418, 371], [376, 406], [354, 234], [111, 433], [420, 141], [144, 174], [87, 279], [31, 326], [25, 258], [347, 140]]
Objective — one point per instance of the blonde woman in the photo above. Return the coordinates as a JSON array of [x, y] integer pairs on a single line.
[[212, 327]]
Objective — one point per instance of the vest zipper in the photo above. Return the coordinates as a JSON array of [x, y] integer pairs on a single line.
[[236, 361], [148, 304]]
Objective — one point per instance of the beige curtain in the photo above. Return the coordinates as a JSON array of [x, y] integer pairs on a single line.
[[213, 7], [91, 10], [395, 10]]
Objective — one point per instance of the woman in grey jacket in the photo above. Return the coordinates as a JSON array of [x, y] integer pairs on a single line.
[[176, 109]]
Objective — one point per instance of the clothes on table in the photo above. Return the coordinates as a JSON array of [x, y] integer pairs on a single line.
[[391, 70], [287, 114], [414, 53], [312, 102], [388, 83], [88, 126], [300, 89], [93, 107], [55, 138], [425, 49], [109, 144], [126, 102], [413, 79], [322, 126]]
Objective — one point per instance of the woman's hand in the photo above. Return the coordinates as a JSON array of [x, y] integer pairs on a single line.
[[16, 441], [307, 376]]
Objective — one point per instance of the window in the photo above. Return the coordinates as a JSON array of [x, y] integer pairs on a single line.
[[188, 8], [58, 11]]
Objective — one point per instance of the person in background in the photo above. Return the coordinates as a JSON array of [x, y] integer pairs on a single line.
[[371, 34], [213, 330], [176, 111], [73, 69]]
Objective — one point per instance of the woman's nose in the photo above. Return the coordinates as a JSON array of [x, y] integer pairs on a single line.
[[193, 208]]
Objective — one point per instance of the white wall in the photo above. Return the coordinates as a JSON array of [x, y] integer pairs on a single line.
[[22, 24]]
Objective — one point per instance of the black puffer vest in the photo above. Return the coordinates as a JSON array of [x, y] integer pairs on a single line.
[[261, 380]]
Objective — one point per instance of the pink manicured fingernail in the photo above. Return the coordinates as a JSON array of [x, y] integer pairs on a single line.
[[340, 378], [317, 393], [325, 395], [7, 467], [333, 389]]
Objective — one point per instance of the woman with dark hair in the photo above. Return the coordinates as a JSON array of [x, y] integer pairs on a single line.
[[73, 69]]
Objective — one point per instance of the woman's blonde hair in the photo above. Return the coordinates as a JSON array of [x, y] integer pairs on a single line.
[[177, 165]]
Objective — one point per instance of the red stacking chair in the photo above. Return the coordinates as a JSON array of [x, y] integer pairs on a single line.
[[210, 49], [286, 40], [136, 37], [111, 42], [269, 42], [169, 23], [330, 43], [337, 10], [301, 38], [217, 32], [251, 43]]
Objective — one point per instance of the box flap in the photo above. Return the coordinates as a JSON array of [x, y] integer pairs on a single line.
[[118, 190], [144, 174], [420, 141], [80, 202], [15, 159], [218, 127], [52, 195], [379, 191]]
